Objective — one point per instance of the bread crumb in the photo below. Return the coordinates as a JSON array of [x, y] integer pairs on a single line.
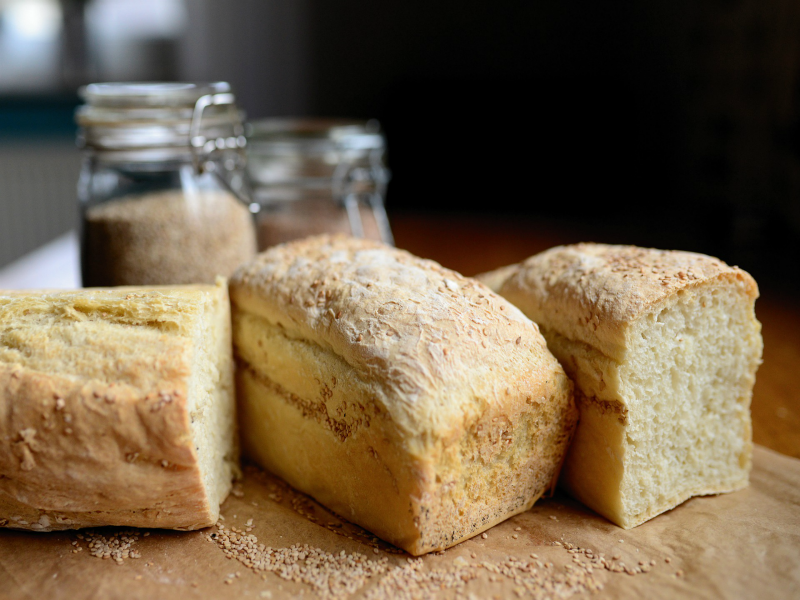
[[118, 546], [376, 576]]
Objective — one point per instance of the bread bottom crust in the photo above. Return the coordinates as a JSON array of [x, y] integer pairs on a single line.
[[169, 517], [498, 468]]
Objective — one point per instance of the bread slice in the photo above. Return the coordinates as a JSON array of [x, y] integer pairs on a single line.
[[407, 398], [116, 407], [663, 347]]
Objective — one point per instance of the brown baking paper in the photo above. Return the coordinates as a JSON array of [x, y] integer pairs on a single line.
[[740, 545]]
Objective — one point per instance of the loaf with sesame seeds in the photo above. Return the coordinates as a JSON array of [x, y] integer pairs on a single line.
[[407, 398], [116, 407], [663, 347]]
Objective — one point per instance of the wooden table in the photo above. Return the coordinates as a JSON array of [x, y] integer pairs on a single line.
[[474, 244]]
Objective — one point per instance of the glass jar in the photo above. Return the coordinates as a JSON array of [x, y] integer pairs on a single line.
[[162, 188], [312, 176]]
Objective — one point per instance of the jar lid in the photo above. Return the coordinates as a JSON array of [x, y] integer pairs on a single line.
[[155, 115], [143, 94], [313, 136], [312, 151]]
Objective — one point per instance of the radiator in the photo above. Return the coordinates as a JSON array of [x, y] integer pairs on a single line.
[[37, 194]]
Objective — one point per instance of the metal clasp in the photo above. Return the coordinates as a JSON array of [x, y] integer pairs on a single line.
[[346, 186], [202, 146]]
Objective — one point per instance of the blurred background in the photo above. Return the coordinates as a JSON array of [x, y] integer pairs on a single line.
[[669, 124]]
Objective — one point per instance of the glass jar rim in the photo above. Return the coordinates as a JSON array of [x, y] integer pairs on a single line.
[[149, 93], [146, 115], [288, 135]]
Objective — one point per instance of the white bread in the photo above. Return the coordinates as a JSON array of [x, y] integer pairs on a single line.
[[407, 398], [116, 407], [663, 347]]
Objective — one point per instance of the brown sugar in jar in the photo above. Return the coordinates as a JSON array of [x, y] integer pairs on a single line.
[[313, 176], [169, 237], [300, 219]]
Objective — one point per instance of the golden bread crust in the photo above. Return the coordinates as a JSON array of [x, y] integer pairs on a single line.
[[431, 407], [396, 318], [591, 292], [663, 347], [95, 424]]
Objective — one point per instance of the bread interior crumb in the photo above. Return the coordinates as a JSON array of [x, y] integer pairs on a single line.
[[686, 381], [210, 401]]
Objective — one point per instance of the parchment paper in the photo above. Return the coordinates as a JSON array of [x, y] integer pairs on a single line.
[[740, 545]]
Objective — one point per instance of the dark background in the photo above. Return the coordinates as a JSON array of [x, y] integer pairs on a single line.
[[673, 124], [668, 124]]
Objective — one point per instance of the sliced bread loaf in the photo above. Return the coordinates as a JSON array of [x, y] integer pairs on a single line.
[[663, 347], [116, 407], [407, 398]]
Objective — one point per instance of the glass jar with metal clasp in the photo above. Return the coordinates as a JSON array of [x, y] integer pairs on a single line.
[[162, 191], [312, 176]]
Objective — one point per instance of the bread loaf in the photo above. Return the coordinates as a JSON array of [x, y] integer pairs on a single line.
[[663, 348], [116, 407], [405, 397]]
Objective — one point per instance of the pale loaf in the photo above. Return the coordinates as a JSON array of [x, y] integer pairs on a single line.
[[663, 347], [407, 398], [116, 407]]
